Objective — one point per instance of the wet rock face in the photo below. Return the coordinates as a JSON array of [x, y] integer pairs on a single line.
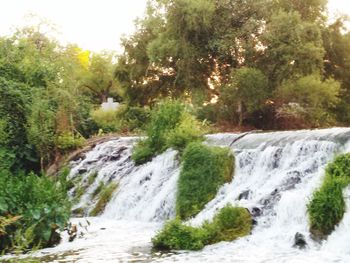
[[244, 195], [299, 241], [256, 212]]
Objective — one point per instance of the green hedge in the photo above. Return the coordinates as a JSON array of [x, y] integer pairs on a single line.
[[327, 206], [230, 223], [204, 170]]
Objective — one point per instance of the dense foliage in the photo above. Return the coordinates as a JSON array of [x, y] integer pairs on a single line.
[[251, 57], [171, 125], [327, 207], [228, 224], [204, 169], [32, 208]]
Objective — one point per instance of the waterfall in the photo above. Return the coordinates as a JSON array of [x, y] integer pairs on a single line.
[[275, 176]]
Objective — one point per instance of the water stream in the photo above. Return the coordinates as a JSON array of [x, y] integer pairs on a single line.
[[275, 176]]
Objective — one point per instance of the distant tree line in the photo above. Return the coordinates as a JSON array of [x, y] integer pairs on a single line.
[[269, 64]]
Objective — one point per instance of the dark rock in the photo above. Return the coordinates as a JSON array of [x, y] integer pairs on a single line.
[[82, 170], [276, 158], [80, 156], [299, 241], [147, 178], [92, 161], [256, 212], [290, 183], [254, 222], [271, 200], [244, 195]]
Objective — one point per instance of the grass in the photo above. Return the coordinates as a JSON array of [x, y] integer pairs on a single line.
[[104, 197], [230, 223], [204, 170], [98, 189], [92, 177], [327, 206]]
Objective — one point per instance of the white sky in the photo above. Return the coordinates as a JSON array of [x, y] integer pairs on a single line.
[[92, 24]]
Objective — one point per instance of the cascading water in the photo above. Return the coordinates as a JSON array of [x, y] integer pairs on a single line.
[[275, 175]]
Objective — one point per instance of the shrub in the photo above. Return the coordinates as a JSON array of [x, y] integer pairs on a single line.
[[339, 169], [41, 203], [106, 119], [327, 206], [67, 141], [171, 125], [142, 152], [176, 235], [132, 118], [104, 198], [315, 97], [204, 170], [229, 224], [188, 130]]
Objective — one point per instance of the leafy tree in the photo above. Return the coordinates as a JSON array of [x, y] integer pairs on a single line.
[[245, 93], [316, 97], [337, 63], [98, 79], [16, 151], [293, 47], [311, 10]]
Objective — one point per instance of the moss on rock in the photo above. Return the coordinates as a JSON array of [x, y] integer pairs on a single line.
[[204, 170], [104, 197], [327, 206]]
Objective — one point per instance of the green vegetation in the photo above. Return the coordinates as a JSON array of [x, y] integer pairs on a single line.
[[32, 208], [68, 141], [106, 120], [171, 125], [98, 189], [104, 197], [249, 51], [92, 177], [204, 170], [327, 207], [262, 64], [176, 235], [230, 223]]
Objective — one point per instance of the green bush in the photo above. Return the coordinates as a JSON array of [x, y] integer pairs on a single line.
[[176, 235], [229, 224], [106, 120], [327, 206], [339, 169], [132, 118], [204, 170], [171, 125], [41, 203], [142, 152], [67, 141], [105, 196], [188, 130]]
